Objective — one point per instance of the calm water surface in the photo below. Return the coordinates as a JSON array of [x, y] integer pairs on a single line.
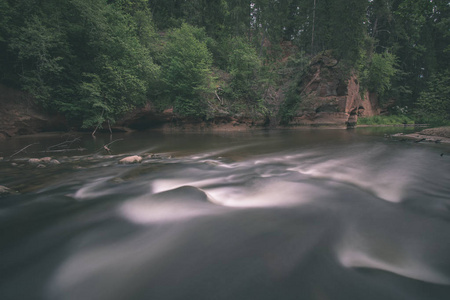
[[306, 214]]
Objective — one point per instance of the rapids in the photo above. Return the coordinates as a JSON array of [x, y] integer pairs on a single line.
[[308, 214]]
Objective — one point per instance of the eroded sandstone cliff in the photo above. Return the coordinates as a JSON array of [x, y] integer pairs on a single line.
[[19, 115], [329, 96]]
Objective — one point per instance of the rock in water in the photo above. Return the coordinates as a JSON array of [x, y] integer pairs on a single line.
[[131, 160], [54, 162], [34, 161], [45, 160]]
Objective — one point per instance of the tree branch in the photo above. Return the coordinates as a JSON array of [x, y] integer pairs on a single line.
[[24, 148], [105, 147], [64, 144]]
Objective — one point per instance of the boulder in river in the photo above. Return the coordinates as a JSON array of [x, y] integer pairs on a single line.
[[54, 162], [46, 160], [34, 161], [131, 160]]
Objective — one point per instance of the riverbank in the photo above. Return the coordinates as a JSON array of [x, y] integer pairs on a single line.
[[431, 135]]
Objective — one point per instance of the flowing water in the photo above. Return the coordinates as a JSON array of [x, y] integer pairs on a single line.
[[307, 214]]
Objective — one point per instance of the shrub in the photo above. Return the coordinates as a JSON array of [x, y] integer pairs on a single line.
[[386, 120]]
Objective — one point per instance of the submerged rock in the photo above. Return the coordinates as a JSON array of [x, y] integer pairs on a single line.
[[157, 156], [131, 160]]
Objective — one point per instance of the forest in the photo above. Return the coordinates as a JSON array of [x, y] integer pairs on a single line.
[[94, 60]]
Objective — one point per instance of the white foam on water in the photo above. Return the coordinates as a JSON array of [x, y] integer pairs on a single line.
[[269, 194], [411, 268], [102, 272], [143, 211], [388, 183], [93, 190]]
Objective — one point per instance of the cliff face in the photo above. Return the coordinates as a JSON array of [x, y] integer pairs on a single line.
[[328, 98], [20, 115]]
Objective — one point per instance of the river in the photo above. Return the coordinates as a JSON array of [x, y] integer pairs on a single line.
[[279, 214]]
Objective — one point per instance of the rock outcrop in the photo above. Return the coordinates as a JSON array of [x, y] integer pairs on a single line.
[[330, 97], [20, 115], [430, 135]]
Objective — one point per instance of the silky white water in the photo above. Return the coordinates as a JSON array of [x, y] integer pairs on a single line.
[[320, 214]]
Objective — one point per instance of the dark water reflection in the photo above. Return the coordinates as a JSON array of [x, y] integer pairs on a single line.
[[312, 214]]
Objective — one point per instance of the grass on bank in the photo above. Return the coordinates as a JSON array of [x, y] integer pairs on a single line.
[[386, 120]]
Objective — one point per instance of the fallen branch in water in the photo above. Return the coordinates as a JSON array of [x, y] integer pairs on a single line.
[[64, 144], [105, 147], [23, 149], [64, 150]]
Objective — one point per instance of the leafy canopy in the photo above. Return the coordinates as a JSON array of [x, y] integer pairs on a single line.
[[185, 70]]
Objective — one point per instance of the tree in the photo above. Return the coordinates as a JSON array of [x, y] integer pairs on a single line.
[[37, 48], [244, 66], [4, 15], [118, 76], [167, 13], [433, 105], [185, 66], [377, 76], [82, 58], [347, 29]]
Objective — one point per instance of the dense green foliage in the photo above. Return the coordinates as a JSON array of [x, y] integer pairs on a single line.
[[92, 60], [81, 58], [433, 105], [386, 120], [378, 72], [244, 67], [185, 63]]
